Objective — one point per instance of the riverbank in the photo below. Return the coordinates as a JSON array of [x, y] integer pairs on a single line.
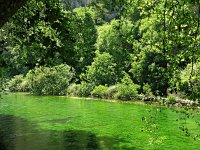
[[157, 101]]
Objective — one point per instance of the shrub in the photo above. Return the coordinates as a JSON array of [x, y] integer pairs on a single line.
[[171, 99], [73, 89], [50, 81], [100, 91], [111, 91], [85, 89], [25, 85], [18, 84], [126, 90]]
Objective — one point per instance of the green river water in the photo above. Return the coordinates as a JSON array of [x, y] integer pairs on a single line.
[[60, 123]]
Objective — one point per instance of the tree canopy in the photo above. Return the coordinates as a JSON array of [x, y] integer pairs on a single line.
[[151, 41]]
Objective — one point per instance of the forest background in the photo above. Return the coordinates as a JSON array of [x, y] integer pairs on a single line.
[[109, 49]]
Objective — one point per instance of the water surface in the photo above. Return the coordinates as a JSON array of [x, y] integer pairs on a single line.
[[60, 123]]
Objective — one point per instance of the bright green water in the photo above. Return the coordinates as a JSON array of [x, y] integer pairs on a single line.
[[60, 123]]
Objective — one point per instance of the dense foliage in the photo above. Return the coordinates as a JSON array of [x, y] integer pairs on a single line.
[[190, 87], [18, 84], [50, 81], [103, 70], [136, 47], [100, 91], [126, 90]]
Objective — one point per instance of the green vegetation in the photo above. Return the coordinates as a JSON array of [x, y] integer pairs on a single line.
[[190, 87], [171, 99], [100, 91], [126, 90], [154, 45], [129, 50], [50, 81], [102, 71], [18, 84], [72, 89], [85, 89]]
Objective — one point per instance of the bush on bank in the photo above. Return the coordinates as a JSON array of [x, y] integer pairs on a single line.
[[126, 90], [55, 81], [100, 91], [85, 89], [73, 89], [50, 80], [18, 84]]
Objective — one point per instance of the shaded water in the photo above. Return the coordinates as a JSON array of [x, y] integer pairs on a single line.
[[17, 133], [61, 123]]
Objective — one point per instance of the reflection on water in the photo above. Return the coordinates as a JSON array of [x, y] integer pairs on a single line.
[[79, 140], [18, 134], [59, 123], [7, 133]]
